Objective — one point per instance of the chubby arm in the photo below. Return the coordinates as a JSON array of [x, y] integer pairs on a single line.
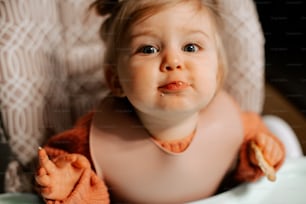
[[271, 147]]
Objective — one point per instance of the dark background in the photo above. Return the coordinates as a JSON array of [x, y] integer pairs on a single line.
[[283, 23]]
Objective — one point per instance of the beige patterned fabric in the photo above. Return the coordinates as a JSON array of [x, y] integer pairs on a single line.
[[50, 62], [16, 179], [50, 67], [244, 44], [26, 64]]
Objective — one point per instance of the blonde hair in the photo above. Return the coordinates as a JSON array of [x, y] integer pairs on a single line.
[[123, 14]]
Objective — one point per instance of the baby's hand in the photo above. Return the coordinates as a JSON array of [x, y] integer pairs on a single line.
[[58, 178], [271, 149]]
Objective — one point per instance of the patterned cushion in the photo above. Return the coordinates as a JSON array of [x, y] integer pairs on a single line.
[[50, 65], [244, 44]]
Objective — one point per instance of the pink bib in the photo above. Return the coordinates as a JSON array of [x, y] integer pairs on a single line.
[[137, 170]]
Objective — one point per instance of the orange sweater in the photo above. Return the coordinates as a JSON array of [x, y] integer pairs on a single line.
[[90, 189]]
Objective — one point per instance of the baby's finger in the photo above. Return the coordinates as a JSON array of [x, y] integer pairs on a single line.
[[275, 155], [45, 191], [45, 162], [94, 179], [42, 156], [65, 158], [270, 148], [41, 172], [54, 202], [81, 162], [43, 180], [269, 145], [261, 139]]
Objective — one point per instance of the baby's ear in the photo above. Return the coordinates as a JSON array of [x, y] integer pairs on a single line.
[[113, 82]]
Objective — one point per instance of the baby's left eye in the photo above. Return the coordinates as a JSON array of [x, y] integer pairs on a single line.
[[191, 48]]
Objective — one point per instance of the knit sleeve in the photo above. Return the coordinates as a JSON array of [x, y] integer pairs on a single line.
[[253, 127], [90, 189], [75, 140]]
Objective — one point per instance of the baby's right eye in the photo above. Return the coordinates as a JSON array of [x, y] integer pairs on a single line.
[[148, 49]]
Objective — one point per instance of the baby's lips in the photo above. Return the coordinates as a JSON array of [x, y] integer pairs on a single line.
[[174, 86]]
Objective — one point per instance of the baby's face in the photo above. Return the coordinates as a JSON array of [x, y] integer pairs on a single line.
[[172, 63]]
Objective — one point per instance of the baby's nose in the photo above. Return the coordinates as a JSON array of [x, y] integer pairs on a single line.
[[171, 61]]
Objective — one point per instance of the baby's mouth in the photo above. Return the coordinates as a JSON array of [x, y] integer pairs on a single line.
[[174, 86]]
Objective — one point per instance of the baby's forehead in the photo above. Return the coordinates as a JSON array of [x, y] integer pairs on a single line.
[[181, 18], [182, 8], [140, 16]]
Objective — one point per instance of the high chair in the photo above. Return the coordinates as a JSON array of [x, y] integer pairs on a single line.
[[50, 74]]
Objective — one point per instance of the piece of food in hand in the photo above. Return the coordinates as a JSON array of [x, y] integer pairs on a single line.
[[267, 169]]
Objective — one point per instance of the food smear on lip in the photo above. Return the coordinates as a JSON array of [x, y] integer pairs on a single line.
[[174, 86]]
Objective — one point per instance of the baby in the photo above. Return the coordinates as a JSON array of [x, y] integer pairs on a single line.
[[167, 132]]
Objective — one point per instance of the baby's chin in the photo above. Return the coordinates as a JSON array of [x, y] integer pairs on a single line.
[[170, 104]]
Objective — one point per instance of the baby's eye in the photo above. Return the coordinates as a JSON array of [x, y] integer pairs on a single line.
[[148, 49], [191, 48]]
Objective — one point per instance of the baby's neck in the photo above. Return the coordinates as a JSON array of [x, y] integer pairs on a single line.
[[170, 128]]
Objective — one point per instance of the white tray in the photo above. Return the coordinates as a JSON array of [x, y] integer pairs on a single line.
[[289, 188]]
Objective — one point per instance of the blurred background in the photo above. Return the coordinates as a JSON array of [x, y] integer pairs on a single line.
[[283, 23]]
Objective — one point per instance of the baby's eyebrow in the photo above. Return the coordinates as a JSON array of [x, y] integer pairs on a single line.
[[152, 33], [144, 32], [195, 32]]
